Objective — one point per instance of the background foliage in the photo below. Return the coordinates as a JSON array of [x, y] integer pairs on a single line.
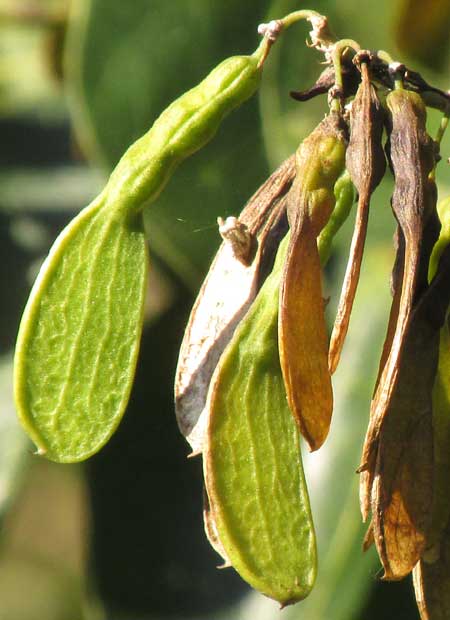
[[122, 536]]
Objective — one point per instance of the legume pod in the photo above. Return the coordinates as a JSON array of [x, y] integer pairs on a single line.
[[252, 463], [414, 204], [302, 333], [79, 336]]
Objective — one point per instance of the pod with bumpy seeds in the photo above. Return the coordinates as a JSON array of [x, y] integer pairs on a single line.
[[79, 336]]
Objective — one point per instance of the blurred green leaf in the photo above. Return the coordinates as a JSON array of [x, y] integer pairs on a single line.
[[422, 30], [27, 84]]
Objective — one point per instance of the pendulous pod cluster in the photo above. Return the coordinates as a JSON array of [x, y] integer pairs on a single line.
[[255, 366], [262, 371]]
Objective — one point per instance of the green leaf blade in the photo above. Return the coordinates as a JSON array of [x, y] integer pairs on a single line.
[[79, 337]]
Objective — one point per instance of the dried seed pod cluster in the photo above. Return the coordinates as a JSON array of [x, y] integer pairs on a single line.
[[269, 358]]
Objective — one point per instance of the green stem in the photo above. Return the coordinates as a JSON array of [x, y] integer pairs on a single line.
[[321, 35], [338, 50], [296, 16], [387, 58]]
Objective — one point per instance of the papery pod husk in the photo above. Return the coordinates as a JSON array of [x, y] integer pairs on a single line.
[[407, 503], [252, 462], [302, 333], [229, 289], [367, 472], [366, 164], [402, 490], [412, 156]]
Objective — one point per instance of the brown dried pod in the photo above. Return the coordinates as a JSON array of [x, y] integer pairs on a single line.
[[404, 493], [366, 164], [414, 205], [402, 490], [229, 289], [367, 471], [302, 332]]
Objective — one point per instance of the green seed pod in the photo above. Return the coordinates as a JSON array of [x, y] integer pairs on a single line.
[[252, 450], [303, 338], [252, 453], [79, 336], [228, 291], [181, 130]]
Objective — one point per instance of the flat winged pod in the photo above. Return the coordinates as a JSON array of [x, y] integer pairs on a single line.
[[252, 462]]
